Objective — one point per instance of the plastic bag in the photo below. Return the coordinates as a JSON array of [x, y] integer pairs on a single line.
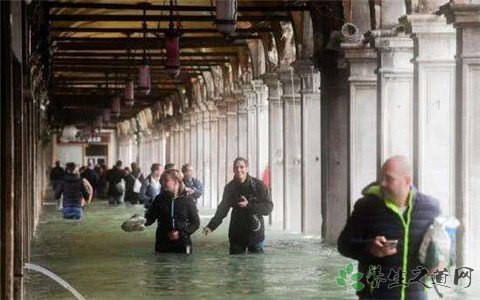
[[135, 223], [437, 249]]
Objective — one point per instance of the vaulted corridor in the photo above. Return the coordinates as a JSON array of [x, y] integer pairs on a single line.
[[315, 95]]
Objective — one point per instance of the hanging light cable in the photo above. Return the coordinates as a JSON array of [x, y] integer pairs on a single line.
[[226, 19], [128, 93], [144, 70]]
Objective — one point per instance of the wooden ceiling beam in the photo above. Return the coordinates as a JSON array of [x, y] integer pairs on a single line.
[[122, 69], [159, 18], [110, 91], [92, 54], [83, 79], [301, 6], [152, 30], [136, 62], [140, 44]]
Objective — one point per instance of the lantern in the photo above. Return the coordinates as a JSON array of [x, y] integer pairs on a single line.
[[144, 79], [172, 47], [128, 93], [98, 122], [116, 107], [226, 16], [106, 116]]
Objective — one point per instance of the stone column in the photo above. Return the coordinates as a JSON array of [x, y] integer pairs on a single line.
[[200, 150], [362, 63], [466, 20], [275, 128], [434, 96], [176, 150], [395, 97], [251, 128], [181, 157], [186, 126], [213, 156], [334, 109], [232, 134], [172, 145], [207, 155], [261, 93], [311, 148], [222, 146], [242, 123], [292, 149], [193, 138]]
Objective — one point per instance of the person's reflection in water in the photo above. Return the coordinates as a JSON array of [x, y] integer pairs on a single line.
[[245, 275], [165, 276]]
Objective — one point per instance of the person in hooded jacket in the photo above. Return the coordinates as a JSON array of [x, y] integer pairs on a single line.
[[384, 233], [74, 191], [176, 215], [250, 200]]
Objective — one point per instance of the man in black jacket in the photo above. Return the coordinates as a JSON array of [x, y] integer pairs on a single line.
[[56, 175], [73, 190], [384, 234], [115, 188], [250, 200]]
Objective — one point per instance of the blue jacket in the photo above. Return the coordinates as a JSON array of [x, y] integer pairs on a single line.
[[196, 185], [374, 216]]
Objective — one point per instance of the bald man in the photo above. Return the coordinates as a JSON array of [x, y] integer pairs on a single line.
[[385, 230]]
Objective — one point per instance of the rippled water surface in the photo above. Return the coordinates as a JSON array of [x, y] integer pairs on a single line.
[[102, 262]]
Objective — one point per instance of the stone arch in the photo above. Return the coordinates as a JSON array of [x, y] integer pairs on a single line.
[[217, 81], [227, 72], [270, 51], [285, 41], [257, 56], [208, 84]]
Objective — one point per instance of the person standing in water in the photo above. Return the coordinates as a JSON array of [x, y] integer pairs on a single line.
[[250, 200], [176, 215]]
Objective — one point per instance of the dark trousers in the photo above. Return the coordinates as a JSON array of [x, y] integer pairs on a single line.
[[178, 248], [241, 248]]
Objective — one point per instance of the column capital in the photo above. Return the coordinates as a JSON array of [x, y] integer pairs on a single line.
[[461, 15], [270, 79], [309, 75], [426, 24], [400, 41], [362, 61], [290, 84]]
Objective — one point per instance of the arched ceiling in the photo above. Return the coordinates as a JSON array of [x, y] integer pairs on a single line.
[[90, 40]]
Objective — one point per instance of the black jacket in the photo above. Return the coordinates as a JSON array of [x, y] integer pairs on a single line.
[[114, 176], [57, 173], [91, 176], [259, 203], [73, 189], [372, 217], [185, 219]]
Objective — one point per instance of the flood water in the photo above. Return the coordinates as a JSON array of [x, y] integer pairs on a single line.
[[102, 262]]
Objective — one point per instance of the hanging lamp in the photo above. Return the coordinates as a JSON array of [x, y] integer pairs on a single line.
[[172, 46], [128, 92], [144, 70], [226, 19], [106, 116], [116, 104]]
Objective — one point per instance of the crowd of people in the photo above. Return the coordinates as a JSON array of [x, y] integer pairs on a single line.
[[170, 198], [384, 231]]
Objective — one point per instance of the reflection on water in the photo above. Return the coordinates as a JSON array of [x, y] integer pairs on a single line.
[[103, 262]]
